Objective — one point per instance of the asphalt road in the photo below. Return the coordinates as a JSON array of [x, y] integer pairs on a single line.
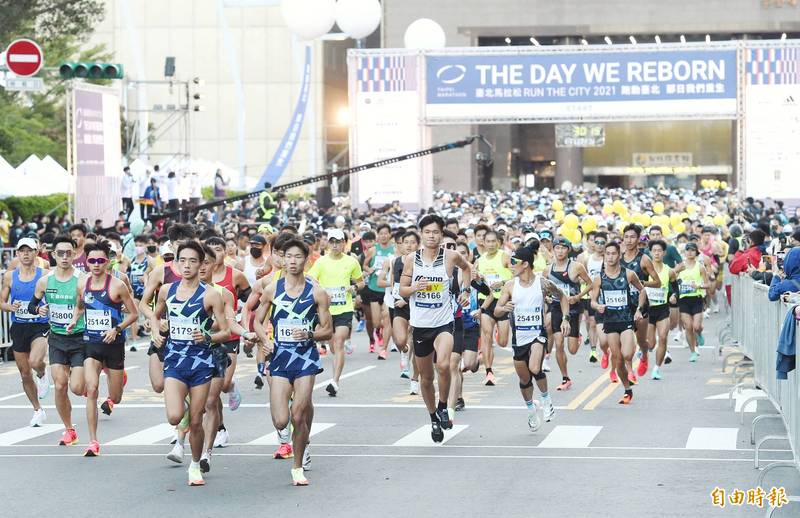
[[661, 456]]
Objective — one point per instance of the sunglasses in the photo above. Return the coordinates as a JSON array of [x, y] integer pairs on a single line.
[[450, 246], [600, 243], [97, 260], [515, 261], [63, 253]]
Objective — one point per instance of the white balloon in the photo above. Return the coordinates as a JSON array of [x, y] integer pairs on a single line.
[[358, 18], [424, 33], [309, 19]]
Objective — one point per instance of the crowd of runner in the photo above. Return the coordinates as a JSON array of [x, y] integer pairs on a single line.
[[605, 276]]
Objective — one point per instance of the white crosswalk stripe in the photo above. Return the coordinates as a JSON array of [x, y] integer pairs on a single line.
[[271, 439], [151, 435], [24, 434], [422, 436], [570, 437], [712, 439]]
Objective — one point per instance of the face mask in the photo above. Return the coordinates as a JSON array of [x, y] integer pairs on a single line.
[[140, 250], [151, 249], [256, 252]]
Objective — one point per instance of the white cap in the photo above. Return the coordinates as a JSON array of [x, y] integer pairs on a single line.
[[335, 233], [787, 229], [365, 226], [166, 248], [29, 242]]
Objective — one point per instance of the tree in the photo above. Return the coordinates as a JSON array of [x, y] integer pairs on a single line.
[[48, 20]]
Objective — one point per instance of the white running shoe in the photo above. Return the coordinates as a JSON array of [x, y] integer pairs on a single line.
[[535, 416], [393, 348], [221, 440], [414, 387], [39, 417], [548, 409], [403, 361], [348, 347], [307, 458], [42, 384], [546, 363], [176, 454]]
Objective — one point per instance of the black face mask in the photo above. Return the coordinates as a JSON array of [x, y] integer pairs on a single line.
[[256, 252], [151, 249]]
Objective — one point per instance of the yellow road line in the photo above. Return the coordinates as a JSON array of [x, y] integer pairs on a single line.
[[584, 395], [591, 405]]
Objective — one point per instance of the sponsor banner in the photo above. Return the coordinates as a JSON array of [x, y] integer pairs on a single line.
[[589, 85], [580, 135]]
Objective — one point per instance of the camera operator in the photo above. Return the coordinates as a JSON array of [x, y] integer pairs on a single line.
[[786, 268]]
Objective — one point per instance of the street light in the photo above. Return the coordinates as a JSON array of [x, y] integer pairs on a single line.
[[343, 116]]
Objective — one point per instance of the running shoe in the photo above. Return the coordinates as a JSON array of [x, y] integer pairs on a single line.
[[205, 462], [413, 387], [604, 360], [284, 451], [348, 347], [444, 418], [565, 385], [626, 399], [460, 405], [643, 365], [371, 347], [667, 357], [38, 419], [133, 349], [248, 350], [195, 475], [176, 454], [322, 350], [69, 438], [546, 363], [403, 361], [489, 379], [656, 374], [593, 355], [382, 354], [42, 384], [613, 376], [548, 409], [701, 341], [307, 458], [332, 388], [694, 357], [124, 377], [378, 338], [361, 325], [234, 397], [535, 417], [222, 438], [393, 348], [93, 450], [107, 406], [405, 373], [437, 434], [298, 478], [632, 379], [259, 383]]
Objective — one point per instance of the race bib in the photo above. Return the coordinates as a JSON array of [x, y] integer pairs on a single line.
[[615, 298], [98, 319], [22, 311], [337, 295], [396, 291], [656, 296], [686, 287], [181, 328], [61, 314], [561, 286], [377, 264], [527, 320], [492, 278], [286, 327]]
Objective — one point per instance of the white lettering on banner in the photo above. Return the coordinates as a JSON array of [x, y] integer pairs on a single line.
[[660, 71], [558, 73], [601, 72], [98, 319]]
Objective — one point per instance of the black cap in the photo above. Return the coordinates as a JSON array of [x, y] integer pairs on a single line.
[[309, 238], [693, 246], [258, 238], [524, 253], [561, 241]]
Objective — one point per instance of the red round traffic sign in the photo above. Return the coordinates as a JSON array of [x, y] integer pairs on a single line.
[[24, 57]]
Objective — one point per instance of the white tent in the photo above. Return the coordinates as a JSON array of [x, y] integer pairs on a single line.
[[33, 177]]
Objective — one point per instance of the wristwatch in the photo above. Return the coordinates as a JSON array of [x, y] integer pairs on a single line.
[[565, 318], [311, 335], [118, 330]]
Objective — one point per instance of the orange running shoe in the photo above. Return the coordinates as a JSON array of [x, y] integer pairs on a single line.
[[613, 376], [69, 437], [124, 377], [604, 361], [565, 385], [93, 450], [489, 380], [626, 399], [107, 407], [284, 451], [382, 354]]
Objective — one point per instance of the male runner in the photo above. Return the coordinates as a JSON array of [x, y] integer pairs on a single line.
[[672, 258], [401, 330], [341, 277], [658, 302], [299, 314], [693, 279], [524, 298], [136, 274], [567, 275], [78, 234], [373, 294], [28, 329], [614, 284], [592, 260], [465, 353], [493, 265], [101, 297], [188, 362], [67, 351], [425, 280]]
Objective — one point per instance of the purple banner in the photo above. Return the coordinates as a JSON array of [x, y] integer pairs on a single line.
[[89, 134]]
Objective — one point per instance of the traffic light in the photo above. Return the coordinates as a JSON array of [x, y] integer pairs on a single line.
[[71, 69]]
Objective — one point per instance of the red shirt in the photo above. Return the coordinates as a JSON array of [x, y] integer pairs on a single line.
[[740, 262]]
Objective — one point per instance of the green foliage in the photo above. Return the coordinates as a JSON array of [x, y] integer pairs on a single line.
[[208, 193], [28, 206]]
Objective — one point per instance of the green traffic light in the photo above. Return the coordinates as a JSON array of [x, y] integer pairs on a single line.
[[70, 70]]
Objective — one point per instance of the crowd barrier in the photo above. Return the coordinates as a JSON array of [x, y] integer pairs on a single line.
[[5, 326], [755, 326]]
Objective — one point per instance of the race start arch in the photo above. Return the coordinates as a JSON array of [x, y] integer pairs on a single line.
[[397, 95]]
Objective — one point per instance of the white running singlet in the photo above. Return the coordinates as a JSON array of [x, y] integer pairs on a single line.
[[432, 307], [528, 315]]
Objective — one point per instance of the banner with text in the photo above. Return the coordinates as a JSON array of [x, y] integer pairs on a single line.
[[578, 86]]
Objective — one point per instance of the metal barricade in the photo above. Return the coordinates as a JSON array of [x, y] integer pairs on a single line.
[[5, 327]]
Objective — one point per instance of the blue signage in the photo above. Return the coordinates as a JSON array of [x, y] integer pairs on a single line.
[[559, 77]]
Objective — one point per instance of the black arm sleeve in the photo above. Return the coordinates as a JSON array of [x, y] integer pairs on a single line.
[[481, 286], [245, 294], [33, 306]]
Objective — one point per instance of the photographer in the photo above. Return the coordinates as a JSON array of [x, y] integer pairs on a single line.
[[786, 269]]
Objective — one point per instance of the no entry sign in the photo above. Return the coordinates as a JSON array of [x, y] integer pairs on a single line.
[[24, 57]]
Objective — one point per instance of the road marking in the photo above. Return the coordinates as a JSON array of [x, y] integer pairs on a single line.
[[27, 433], [271, 439], [12, 396], [515, 408], [712, 439], [422, 436], [740, 398], [20, 394], [349, 374], [150, 435], [570, 436], [591, 405], [583, 396]]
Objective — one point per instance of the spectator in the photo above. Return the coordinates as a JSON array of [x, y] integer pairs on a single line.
[[172, 192], [5, 228], [151, 199], [128, 187], [750, 257], [144, 184], [786, 280], [219, 185]]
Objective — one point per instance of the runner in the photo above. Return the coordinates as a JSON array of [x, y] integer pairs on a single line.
[[614, 284], [340, 275], [592, 260], [401, 330], [493, 265], [692, 281], [373, 294], [28, 329], [425, 280], [671, 258], [299, 314], [136, 274], [78, 234], [465, 352], [188, 362], [255, 264], [459, 291], [524, 297], [101, 297], [67, 351], [659, 311], [567, 275]]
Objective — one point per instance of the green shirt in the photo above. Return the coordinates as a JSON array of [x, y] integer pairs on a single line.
[[62, 299]]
